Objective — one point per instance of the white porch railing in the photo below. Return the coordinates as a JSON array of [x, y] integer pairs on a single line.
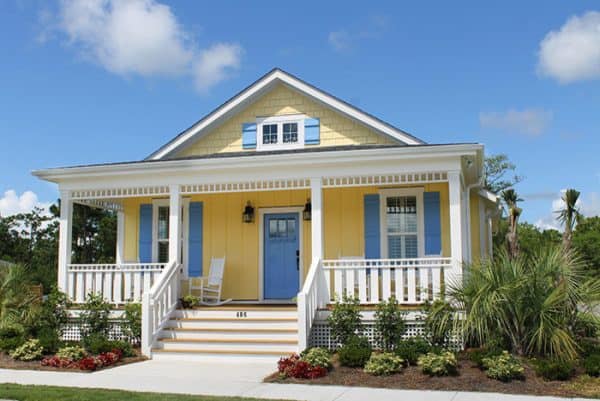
[[118, 283], [411, 281], [314, 295], [157, 305]]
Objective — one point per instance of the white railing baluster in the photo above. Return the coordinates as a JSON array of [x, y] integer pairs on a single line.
[[112, 281], [362, 285], [411, 280], [374, 285]]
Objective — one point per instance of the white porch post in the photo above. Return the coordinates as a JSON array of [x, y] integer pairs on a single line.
[[174, 224], [316, 227], [120, 236], [64, 239], [456, 222]]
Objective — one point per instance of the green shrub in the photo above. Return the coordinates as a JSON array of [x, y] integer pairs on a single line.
[[124, 346], [553, 369], [94, 316], [591, 364], [412, 348], [49, 339], [97, 343], [72, 352], [11, 337], [345, 319], [503, 367], [355, 353], [389, 323], [29, 351], [133, 322], [443, 364], [477, 355], [317, 357], [384, 364]]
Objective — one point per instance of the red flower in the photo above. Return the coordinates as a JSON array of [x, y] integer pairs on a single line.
[[293, 366]]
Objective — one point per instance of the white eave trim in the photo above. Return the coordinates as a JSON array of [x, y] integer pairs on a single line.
[[279, 75], [488, 195], [259, 160]]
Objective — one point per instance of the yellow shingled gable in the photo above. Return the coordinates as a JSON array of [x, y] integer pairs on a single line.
[[336, 129]]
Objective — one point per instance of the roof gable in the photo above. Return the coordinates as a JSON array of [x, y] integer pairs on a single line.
[[264, 85]]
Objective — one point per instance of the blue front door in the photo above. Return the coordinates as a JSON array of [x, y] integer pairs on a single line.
[[281, 255]]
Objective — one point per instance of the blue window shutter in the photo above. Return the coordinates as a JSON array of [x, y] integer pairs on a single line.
[[195, 240], [312, 131], [145, 234], [372, 233], [249, 135], [433, 229]]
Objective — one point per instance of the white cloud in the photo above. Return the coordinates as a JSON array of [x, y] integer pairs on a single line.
[[340, 40], [572, 53], [215, 63], [11, 203], [530, 122], [589, 205], [141, 37], [344, 40]]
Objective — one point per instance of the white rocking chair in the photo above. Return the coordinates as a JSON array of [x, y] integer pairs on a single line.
[[210, 286]]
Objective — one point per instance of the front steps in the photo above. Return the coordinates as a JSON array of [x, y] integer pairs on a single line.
[[229, 332]]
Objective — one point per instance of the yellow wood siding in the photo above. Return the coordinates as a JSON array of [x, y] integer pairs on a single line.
[[336, 129], [224, 233]]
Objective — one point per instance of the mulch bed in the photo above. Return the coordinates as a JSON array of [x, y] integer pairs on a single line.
[[6, 362], [470, 378]]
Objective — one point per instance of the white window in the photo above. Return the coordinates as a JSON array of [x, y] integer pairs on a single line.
[[280, 132], [402, 223], [160, 235]]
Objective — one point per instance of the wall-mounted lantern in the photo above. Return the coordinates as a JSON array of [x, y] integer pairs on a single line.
[[248, 215], [307, 212]]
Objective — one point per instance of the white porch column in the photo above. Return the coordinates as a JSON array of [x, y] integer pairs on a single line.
[[174, 223], [456, 223], [120, 236], [316, 227], [64, 238]]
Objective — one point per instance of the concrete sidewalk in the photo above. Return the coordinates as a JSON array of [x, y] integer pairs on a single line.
[[232, 379]]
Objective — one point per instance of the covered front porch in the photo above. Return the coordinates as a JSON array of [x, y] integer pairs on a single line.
[[321, 229]]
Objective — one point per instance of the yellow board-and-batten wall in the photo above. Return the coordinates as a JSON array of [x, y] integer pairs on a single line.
[[335, 129]]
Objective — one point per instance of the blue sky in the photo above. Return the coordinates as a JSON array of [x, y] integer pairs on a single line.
[[100, 81]]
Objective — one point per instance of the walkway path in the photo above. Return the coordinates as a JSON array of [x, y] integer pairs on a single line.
[[232, 379]]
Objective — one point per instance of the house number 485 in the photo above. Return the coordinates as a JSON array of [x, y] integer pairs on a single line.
[[241, 314]]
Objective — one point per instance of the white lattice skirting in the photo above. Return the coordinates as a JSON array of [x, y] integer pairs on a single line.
[[72, 330], [320, 335]]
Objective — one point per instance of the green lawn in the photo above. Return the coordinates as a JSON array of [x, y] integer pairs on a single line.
[[52, 393]]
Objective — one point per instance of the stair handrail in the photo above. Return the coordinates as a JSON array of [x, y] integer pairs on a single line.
[[312, 296], [158, 304]]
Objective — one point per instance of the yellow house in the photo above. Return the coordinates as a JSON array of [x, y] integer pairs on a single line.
[[303, 196]]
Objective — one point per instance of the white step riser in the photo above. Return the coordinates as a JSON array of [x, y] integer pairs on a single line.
[[196, 335], [224, 358], [233, 314], [284, 349], [232, 324]]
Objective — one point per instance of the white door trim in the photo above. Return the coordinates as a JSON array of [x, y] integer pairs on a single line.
[[261, 237]]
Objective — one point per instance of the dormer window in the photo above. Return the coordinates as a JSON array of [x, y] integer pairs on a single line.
[[280, 132]]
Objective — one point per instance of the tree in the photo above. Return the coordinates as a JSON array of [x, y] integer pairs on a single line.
[[510, 198], [496, 167], [569, 215], [586, 241]]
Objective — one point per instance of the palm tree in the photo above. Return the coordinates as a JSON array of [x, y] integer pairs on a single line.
[[510, 198], [518, 299], [569, 215], [16, 297]]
